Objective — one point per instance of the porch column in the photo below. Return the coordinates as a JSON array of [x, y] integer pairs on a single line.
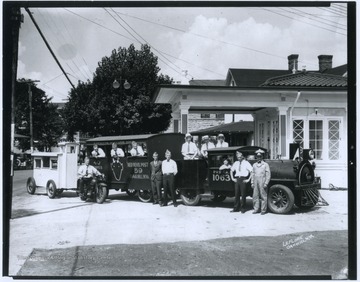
[[176, 122], [184, 112], [283, 147]]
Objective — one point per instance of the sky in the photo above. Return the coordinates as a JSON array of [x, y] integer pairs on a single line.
[[191, 43]]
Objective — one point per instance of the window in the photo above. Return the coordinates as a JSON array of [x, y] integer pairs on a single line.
[[37, 163], [334, 139], [220, 116], [54, 163], [46, 162], [298, 133], [316, 137], [205, 115], [320, 135]]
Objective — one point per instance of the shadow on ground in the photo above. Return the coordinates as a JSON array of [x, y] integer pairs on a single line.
[[302, 255]]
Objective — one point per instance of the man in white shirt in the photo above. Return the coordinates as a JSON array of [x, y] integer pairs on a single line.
[[97, 152], [86, 175], [189, 149], [136, 150], [169, 170], [116, 153], [221, 141], [205, 146], [242, 169]]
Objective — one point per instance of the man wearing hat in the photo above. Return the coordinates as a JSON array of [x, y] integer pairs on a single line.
[[189, 149], [205, 146], [221, 141], [259, 182]]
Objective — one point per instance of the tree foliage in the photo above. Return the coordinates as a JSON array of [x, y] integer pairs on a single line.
[[98, 109], [48, 124]]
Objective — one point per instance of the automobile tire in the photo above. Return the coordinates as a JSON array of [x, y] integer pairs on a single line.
[[51, 189], [280, 199], [145, 196], [190, 197], [31, 185]]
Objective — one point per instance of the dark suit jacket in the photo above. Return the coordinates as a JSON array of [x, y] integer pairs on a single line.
[[156, 173]]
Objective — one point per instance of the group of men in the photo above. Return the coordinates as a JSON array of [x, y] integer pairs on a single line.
[[163, 172], [116, 152], [259, 174], [190, 151]]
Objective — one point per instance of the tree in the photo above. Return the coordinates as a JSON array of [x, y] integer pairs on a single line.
[[48, 124], [99, 109]]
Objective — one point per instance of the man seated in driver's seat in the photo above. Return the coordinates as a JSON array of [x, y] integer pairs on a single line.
[[86, 175]]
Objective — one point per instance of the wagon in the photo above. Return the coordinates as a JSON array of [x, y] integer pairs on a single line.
[[132, 174]]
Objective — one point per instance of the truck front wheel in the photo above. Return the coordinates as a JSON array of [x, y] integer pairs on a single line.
[[190, 197], [280, 199], [31, 185], [51, 189]]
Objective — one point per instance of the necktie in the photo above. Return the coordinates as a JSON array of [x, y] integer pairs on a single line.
[[87, 170], [137, 152], [188, 147], [207, 146], [239, 166]]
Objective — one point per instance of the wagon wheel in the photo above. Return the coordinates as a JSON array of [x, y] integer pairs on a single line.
[[131, 192], [190, 197], [31, 185], [51, 189], [218, 197], [280, 199], [145, 196]]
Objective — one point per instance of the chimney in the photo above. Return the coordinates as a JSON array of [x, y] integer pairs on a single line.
[[293, 62], [325, 62]]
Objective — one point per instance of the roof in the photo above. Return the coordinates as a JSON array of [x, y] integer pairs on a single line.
[[340, 70], [203, 82], [307, 79], [240, 126], [110, 139], [252, 77], [244, 149]]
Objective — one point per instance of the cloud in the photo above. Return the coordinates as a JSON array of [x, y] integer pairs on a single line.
[[213, 45]]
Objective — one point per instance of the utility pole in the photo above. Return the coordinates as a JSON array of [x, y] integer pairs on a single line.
[[31, 114], [12, 21]]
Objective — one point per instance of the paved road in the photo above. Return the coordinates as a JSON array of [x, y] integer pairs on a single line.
[[39, 223]]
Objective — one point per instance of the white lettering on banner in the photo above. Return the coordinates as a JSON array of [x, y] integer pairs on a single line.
[[137, 164], [140, 176]]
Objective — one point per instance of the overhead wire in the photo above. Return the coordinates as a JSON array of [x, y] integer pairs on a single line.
[[321, 16], [88, 75], [138, 39], [57, 39], [271, 11], [300, 13]]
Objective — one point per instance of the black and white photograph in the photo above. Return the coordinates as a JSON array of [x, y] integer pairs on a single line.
[[179, 140]]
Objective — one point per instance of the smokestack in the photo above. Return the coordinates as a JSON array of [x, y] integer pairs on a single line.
[[293, 62], [325, 62]]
